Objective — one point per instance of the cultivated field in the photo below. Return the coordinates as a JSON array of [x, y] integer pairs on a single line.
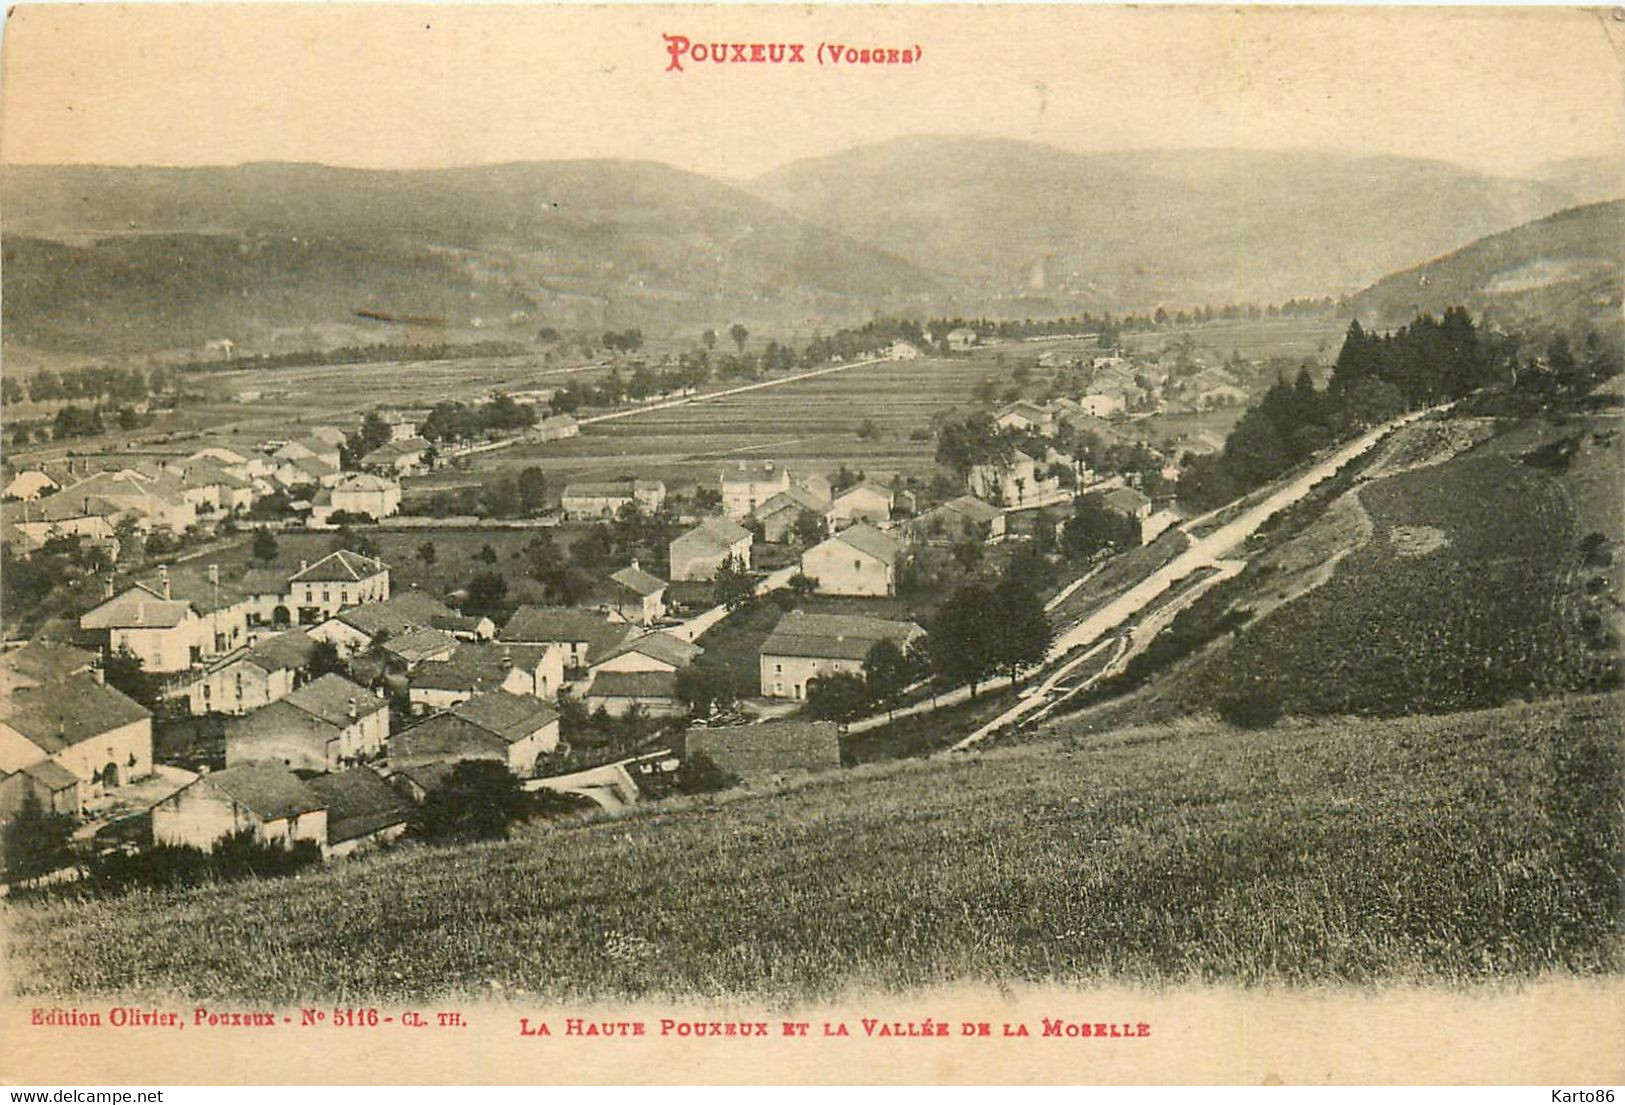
[[1421, 849]]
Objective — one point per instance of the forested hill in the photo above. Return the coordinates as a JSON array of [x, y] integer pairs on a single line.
[[1564, 272]]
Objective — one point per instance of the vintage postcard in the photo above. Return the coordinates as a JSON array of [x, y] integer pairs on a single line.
[[818, 544]]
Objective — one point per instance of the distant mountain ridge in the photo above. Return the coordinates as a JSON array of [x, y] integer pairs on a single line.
[[275, 256], [1565, 271], [1139, 228], [104, 258]]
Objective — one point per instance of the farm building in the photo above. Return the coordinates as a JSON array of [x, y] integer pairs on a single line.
[[581, 635], [532, 669], [357, 493], [266, 798], [326, 725], [94, 731], [417, 646], [1021, 482], [398, 457], [617, 693], [966, 518], [362, 810], [902, 351], [703, 550], [1103, 404], [605, 499], [768, 750], [780, 515], [51, 787], [513, 729], [634, 595], [805, 646], [650, 652], [857, 561], [863, 502], [961, 339], [1127, 502], [39, 662], [749, 485], [555, 428], [358, 627]]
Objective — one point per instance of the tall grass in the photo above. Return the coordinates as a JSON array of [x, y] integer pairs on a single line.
[[1438, 848]]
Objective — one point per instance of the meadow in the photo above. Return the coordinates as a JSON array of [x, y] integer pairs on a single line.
[[1465, 585], [1429, 849]]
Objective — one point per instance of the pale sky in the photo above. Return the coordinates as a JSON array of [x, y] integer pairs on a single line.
[[395, 86]]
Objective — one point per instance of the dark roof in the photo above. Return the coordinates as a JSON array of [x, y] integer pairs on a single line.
[[269, 791], [50, 775], [768, 748], [834, 636], [563, 624], [513, 717], [287, 650], [865, 538], [659, 646], [358, 803], [444, 737], [331, 697], [798, 498], [638, 581], [717, 534], [473, 667], [68, 711], [405, 612], [42, 662], [1126, 499], [633, 684], [973, 508], [599, 489], [426, 775], [342, 566], [281, 719], [419, 644], [137, 607]]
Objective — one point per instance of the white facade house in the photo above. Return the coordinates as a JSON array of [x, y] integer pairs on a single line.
[[857, 561]]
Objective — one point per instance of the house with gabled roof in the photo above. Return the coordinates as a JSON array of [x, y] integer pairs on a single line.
[[781, 514], [804, 646], [702, 551], [862, 502], [618, 693], [473, 669], [358, 627], [266, 799], [252, 677], [363, 811], [634, 595], [514, 729], [607, 498], [859, 560], [52, 788], [355, 494], [655, 651], [966, 518], [165, 634], [326, 725], [580, 635], [79, 723], [1025, 416], [338, 580], [398, 457]]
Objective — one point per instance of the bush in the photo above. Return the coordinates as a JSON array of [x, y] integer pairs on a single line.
[[1254, 707], [701, 775], [238, 856], [479, 800]]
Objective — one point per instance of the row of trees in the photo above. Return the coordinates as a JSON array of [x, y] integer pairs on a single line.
[[449, 420], [1375, 378], [118, 385]]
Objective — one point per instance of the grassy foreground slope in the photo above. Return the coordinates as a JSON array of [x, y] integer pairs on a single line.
[[1424, 848]]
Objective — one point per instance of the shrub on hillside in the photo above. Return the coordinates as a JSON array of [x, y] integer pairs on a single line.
[[1253, 707]]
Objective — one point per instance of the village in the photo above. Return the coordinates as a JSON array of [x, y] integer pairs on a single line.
[[320, 699]]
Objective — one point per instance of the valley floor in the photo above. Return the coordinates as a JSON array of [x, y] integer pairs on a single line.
[[1430, 849]]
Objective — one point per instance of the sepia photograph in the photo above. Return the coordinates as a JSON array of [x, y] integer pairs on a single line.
[[812, 544]]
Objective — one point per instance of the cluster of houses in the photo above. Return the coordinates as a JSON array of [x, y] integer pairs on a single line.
[[178, 494], [1118, 384]]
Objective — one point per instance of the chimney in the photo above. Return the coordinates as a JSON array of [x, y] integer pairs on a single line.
[[634, 563], [163, 580], [99, 676], [352, 709], [107, 588], [303, 564], [214, 574]]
